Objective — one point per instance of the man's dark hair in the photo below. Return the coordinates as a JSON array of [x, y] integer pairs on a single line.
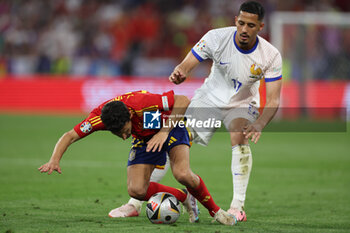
[[254, 8], [115, 115]]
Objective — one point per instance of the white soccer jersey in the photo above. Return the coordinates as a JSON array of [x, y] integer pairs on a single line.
[[235, 75]]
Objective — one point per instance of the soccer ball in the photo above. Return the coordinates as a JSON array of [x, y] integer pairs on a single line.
[[163, 208]]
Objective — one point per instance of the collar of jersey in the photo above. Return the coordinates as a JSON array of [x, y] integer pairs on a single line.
[[246, 51]]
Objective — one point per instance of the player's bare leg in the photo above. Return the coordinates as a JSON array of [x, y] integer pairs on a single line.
[[180, 165], [133, 207], [240, 167], [140, 187], [179, 161], [138, 181]]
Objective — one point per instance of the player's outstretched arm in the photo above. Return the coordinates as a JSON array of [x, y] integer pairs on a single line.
[[61, 146], [273, 90], [180, 105], [182, 70]]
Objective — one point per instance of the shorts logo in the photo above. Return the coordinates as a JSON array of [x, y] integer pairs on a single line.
[[253, 111], [86, 127], [151, 120]]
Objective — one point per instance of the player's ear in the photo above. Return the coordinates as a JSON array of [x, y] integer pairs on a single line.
[[236, 18], [261, 26], [131, 113]]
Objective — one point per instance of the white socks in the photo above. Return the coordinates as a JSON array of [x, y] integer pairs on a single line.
[[136, 203], [156, 176], [241, 166]]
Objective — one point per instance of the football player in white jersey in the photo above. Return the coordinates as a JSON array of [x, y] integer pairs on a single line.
[[242, 62]]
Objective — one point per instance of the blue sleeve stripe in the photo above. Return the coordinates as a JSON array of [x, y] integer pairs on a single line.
[[273, 79], [196, 55]]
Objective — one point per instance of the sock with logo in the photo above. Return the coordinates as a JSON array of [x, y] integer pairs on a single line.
[[241, 167], [202, 194]]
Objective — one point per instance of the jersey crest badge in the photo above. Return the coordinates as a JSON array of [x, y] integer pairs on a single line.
[[256, 72], [86, 127], [132, 154]]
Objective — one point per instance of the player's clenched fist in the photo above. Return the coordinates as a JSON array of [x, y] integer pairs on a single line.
[[177, 76]]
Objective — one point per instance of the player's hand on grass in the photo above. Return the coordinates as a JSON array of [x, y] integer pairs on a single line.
[[177, 76], [50, 167], [157, 141], [252, 132]]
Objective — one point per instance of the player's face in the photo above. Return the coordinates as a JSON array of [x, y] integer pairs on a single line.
[[248, 26], [125, 132]]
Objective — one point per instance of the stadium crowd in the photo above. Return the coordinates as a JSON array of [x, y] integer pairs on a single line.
[[109, 38]]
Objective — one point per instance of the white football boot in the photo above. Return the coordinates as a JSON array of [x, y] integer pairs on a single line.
[[191, 207], [225, 218], [127, 210]]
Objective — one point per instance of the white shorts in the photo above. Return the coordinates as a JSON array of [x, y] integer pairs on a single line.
[[203, 109]]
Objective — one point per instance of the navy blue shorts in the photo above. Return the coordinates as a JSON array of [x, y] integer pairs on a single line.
[[138, 154]]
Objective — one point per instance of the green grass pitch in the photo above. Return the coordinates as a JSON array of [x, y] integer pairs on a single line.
[[300, 182]]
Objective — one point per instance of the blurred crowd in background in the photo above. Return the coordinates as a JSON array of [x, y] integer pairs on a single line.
[[113, 38]]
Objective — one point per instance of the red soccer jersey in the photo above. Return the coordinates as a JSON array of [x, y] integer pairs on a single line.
[[137, 102]]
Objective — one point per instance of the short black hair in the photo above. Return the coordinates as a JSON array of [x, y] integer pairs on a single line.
[[115, 115], [254, 8]]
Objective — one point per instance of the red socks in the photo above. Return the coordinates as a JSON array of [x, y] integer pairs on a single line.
[[202, 194], [154, 188]]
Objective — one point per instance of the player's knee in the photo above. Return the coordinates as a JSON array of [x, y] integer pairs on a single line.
[[236, 128], [237, 137], [137, 192], [183, 176]]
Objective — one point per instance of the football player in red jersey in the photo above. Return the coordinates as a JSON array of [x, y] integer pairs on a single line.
[[124, 116]]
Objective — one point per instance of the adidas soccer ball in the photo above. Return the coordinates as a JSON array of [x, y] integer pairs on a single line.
[[163, 208]]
